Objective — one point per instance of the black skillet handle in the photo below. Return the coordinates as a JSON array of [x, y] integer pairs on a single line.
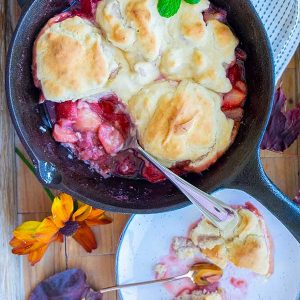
[[254, 181]]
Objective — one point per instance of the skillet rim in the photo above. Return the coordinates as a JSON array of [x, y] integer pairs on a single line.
[[121, 209]]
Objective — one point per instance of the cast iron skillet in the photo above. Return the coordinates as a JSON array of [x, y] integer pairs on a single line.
[[239, 168]]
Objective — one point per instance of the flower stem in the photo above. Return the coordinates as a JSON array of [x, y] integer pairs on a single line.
[[31, 168], [66, 253]]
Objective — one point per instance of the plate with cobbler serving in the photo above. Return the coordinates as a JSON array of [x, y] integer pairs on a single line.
[[260, 258], [196, 83]]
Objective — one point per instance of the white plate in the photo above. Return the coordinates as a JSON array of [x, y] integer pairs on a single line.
[[147, 238]]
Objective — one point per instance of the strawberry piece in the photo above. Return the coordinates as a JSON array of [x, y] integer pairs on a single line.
[[215, 13], [66, 110], [112, 111], [152, 174], [240, 85], [248, 205], [42, 98], [87, 120], [87, 7], [122, 123], [126, 166], [234, 73], [95, 107], [89, 147], [233, 99], [240, 54], [235, 114], [110, 138], [91, 153], [110, 105], [59, 18], [64, 134], [107, 107]]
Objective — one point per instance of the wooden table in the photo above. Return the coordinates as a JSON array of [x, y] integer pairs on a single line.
[[23, 198]]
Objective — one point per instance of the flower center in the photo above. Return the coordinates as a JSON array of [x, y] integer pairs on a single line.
[[69, 228]]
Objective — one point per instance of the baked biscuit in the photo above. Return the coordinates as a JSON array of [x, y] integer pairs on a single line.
[[133, 26], [177, 122], [225, 137], [246, 247], [200, 295], [127, 81], [72, 61], [197, 50]]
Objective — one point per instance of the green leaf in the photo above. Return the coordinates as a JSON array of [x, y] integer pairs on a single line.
[[168, 8], [192, 1]]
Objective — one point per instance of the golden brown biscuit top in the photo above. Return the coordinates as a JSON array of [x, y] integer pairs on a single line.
[[176, 122], [246, 247], [75, 59], [131, 25], [197, 50], [71, 61]]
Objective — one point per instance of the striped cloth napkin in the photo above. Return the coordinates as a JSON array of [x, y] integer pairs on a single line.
[[282, 22]]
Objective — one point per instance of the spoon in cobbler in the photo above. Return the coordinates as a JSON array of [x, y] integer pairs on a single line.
[[201, 274], [221, 215]]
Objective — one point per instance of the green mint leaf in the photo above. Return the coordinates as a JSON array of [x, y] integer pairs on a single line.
[[192, 1], [168, 8]]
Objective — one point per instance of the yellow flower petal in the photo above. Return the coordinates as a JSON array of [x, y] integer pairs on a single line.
[[28, 227], [62, 209], [97, 217], [26, 231], [47, 231], [82, 213], [80, 203]]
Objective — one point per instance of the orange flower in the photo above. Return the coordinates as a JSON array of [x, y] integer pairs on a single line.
[[33, 238]]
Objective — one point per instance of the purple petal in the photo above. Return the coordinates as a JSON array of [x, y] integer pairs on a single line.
[[284, 127], [67, 285]]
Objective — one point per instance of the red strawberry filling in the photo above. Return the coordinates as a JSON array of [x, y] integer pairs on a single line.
[[95, 132], [234, 100], [215, 13], [63, 132], [152, 174], [110, 138]]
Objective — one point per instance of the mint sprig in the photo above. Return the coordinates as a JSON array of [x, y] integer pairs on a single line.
[[192, 1], [168, 8]]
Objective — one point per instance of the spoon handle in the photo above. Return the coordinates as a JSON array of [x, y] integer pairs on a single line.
[[122, 286], [220, 214]]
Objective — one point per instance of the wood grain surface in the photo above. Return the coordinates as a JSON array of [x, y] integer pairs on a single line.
[[23, 198]]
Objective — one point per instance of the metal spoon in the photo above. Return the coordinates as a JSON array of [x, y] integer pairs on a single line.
[[200, 274], [220, 214]]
